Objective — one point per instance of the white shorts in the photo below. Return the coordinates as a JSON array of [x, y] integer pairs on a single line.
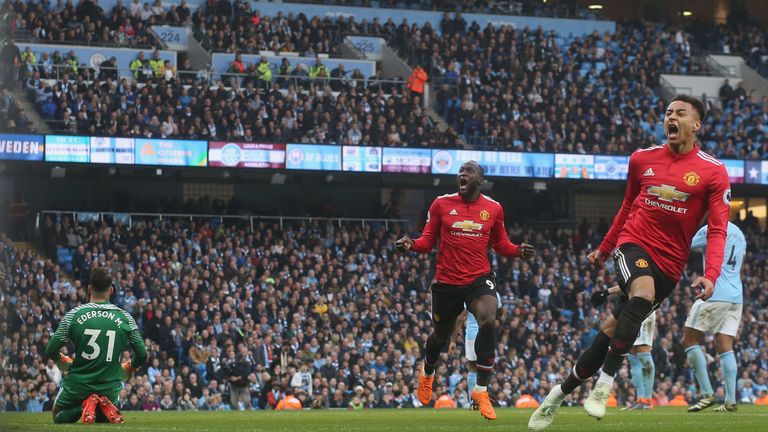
[[715, 317], [647, 331], [469, 349]]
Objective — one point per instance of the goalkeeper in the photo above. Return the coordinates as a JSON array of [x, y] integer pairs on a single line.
[[100, 332]]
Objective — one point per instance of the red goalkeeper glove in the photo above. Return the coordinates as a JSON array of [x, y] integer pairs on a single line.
[[65, 362], [128, 370]]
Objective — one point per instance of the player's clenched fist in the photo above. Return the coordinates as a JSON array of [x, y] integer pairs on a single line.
[[596, 258], [526, 250], [404, 244]]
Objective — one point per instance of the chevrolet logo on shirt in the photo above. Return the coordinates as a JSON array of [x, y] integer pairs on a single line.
[[668, 193], [467, 226]]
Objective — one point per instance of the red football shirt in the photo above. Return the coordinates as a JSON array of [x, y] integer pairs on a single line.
[[466, 229], [667, 198]]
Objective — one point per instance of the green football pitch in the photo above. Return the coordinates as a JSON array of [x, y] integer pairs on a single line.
[[748, 418]]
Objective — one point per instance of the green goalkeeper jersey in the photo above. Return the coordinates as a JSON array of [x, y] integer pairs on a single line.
[[100, 333]]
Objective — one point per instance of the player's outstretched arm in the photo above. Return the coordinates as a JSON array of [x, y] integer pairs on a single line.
[[428, 238], [501, 244]]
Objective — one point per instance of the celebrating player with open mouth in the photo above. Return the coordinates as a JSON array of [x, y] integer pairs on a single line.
[[670, 188], [467, 222]]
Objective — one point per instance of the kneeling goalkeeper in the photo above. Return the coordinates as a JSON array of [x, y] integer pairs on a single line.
[[100, 332]]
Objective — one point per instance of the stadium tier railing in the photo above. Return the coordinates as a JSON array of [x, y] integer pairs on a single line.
[[128, 218], [514, 8]]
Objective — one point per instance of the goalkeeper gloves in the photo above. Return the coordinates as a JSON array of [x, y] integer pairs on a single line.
[[65, 362], [599, 298], [128, 370]]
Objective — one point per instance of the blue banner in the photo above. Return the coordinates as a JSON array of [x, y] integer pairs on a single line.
[[574, 166], [167, 152], [495, 164], [313, 157], [757, 172], [361, 159], [406, 160], [735, 170], [67, 148], [21, 147], [111, 150], [611, 167]]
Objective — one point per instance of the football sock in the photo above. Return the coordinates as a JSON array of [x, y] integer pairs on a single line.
[[699, 364], [68, 415], [648, 372], [637, 375], [428, 369], [589, 362], [485, 347], [471, 381], [435, 345], [728, 363], [627, 330], [605, 378]]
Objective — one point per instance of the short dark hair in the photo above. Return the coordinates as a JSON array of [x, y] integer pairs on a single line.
[[479, 167], [697, 104], [101, 280]]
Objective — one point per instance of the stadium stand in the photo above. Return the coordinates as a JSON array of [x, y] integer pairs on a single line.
[[327, 309], [496, 87]]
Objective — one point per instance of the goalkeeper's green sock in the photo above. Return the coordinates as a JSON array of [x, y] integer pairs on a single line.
[[71, 415]]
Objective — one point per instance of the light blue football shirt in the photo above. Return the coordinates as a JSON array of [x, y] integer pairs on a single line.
[[728, 287]]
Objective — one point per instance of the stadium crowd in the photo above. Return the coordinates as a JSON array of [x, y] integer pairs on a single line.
[[86, 23], [498, 88], [331, 314]]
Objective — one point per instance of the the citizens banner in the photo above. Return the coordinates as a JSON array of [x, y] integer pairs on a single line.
[[168, 152]]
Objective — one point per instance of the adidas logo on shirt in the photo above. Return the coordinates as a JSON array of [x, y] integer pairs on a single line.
[[649, 173], [453, 212]]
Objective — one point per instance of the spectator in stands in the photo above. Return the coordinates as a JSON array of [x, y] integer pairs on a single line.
[[10, 58], [417, 80], [265, 73], [318, 70], [338, 77]]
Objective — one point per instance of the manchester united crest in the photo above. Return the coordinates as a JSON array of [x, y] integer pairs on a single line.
[[641, 263], [484, 215], [691, 178]]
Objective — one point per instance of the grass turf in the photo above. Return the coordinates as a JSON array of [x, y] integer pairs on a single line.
[[749, 418]]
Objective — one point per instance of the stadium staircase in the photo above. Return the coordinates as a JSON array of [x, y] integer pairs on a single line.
[[38, 124], [24, 246]]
